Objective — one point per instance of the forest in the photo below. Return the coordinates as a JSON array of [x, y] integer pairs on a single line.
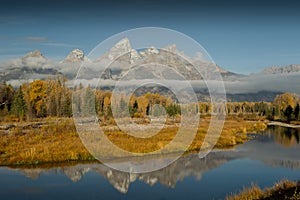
[[52, 98]]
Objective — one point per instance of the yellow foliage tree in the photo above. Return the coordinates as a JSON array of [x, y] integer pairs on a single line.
[[143, 103], [283, 100], [38, 96]]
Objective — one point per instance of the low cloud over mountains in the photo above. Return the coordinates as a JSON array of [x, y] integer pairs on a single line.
[[121, 58]]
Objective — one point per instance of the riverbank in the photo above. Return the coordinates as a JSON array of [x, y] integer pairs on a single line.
[[275, 123], [280, 191], [56, 140]]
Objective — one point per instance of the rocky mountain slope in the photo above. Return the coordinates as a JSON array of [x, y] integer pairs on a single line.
[[293, 68], [122, 58]]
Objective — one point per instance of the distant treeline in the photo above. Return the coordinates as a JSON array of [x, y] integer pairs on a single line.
[[52, 98]]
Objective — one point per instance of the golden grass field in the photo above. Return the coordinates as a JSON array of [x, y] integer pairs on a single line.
[[282, 190], [57, 140]]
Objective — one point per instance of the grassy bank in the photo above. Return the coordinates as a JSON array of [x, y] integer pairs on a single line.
[[280, 191], [56, 140]]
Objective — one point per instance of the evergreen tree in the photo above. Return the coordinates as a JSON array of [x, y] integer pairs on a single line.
[[67, 106], [88, 108], [19, 104], [6, 96], [135, 105], [173, 109], [296, 111], [133, 109], [288, 112]]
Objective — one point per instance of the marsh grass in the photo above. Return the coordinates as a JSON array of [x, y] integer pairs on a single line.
[[53, 140], [283, 190]]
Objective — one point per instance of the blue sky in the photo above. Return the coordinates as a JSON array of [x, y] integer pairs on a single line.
[[242, 37]]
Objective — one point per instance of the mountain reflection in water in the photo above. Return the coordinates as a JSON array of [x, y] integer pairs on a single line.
[[189, 165], [275, 147]]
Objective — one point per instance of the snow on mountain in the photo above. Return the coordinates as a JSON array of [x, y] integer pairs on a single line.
[[282, 70], [34, 59], [76, 56], [123, 46], [134, 56], [149, 51], [34, 54], [122, 57]]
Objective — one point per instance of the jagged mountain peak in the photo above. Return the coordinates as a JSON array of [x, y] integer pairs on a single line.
[[34, 54], [75, 56], [134, 56], [171, 48], [151, 50], [121, 47], [282, 70]]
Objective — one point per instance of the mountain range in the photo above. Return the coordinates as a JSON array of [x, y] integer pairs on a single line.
[[121, 59]]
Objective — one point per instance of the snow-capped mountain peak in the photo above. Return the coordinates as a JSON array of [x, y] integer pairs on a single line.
[[282, 70], [34, 54], [171, 48], [75, 56], [134, 56], [123, 46], [151, 50]]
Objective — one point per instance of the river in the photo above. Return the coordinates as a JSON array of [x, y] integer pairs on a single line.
[[271, 156]]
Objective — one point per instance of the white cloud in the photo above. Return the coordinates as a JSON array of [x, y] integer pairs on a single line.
[[35, 39], [55, 44]]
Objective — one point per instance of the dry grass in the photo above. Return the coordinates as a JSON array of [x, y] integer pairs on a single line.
[[248, 193], [283, 190], [57, 141]]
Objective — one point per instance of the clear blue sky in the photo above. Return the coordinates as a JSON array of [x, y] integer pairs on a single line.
[[243, 37]]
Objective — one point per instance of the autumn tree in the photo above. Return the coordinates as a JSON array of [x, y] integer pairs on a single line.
[[38, 97], [106, 106], [53, 96], [284, 100], [143, 104]]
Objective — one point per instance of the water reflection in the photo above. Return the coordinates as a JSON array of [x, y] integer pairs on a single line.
[[284, 136], [277, 147], [189, 165], [263, 148]]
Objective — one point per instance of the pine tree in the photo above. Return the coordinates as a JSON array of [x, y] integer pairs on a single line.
[[19, 104], [288, 112], [67, 105], [173, 109], [296, 111], [88, 108], [6, 96]]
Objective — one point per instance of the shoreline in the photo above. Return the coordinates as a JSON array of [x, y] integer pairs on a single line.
[[54, 143], [283, 189], [275, 123], [115, 160]]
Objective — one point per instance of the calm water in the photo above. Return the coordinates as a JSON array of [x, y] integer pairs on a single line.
[[270, 157]]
